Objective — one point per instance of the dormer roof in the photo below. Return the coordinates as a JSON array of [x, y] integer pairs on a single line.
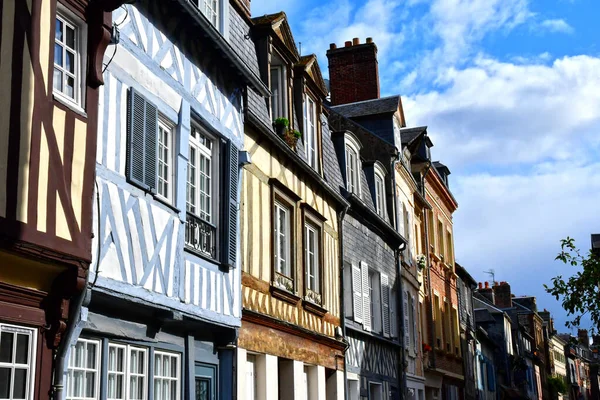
[[310, 65], [384, 105], [277, 23]]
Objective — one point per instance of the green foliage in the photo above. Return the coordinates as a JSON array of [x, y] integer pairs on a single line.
[[282, 122], [297, 134], [557, 385], [580, 293]]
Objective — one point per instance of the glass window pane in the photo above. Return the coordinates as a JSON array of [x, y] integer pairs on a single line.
[[4, 383], [174, 368], [77, 383], [58, 30], [58, 54], [6, 346], [157, 365], [69, 61], [91, 355], [70, 87], [20, 384], [70, 37], [166, 366], [90, 384], [22, 355], [57, 80]]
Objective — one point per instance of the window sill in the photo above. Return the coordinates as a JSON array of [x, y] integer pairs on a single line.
[[202, 255], [314, 308], [284, 295], [70, 104], [164, 202]]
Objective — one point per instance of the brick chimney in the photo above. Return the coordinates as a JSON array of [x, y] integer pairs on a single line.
[[583, 336], [353, 72], [488, 292], [503, 295]]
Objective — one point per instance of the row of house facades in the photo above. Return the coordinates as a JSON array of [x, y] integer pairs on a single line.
[[162, 238]]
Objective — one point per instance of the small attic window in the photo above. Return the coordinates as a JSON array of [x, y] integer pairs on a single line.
[[278, 88], [353, 165], [379, 190]]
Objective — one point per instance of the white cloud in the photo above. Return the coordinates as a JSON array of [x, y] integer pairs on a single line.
[[556, 25], [506, 114]]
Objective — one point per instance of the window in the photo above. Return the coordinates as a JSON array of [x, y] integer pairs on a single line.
[[210, 9], [283, 260], [450, 252], [438, 321], [278, 91], [440, 233], [310, 130], [447, 326], [311, 256], [17, 362], [126, 372], [379, 194], [69, 55], [353, 166], [84, 363], [430, 229], [165, 159], [375, 304], [166, 376], [201, 232]]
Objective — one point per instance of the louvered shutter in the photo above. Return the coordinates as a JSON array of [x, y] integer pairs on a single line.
[[229, 201], [357, 293], [406, 322], [408, 235], [414, 324], [393, 315], [142, 145], [364, 269], [385, 306]]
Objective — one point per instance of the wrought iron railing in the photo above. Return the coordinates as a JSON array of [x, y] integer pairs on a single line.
[[200, 236]]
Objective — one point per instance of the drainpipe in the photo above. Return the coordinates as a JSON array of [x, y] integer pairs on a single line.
[[400, 291], [82, 300], [341, 216]]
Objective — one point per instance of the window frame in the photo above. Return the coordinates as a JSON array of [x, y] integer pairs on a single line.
[[215, 162], [30, 366], [311, 136], [218, 11], [281, 70], [353, 145], [177, 379], [168, 126], [97, 369], [380, 199], [311, 218], [127, 373], [80, 50]]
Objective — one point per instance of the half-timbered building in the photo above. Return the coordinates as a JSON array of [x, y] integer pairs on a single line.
[[165, 304], [371, 255], [290, 344], [50, 71]]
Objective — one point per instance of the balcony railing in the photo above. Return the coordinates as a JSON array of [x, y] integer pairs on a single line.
[[200, 236]]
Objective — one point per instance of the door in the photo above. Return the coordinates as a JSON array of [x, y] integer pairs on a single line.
[[206, 382]]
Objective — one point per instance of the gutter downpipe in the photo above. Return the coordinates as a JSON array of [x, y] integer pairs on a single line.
[[341, 216], [402, 371]]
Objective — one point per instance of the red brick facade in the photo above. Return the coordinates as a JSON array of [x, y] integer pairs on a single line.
[[353, 72]]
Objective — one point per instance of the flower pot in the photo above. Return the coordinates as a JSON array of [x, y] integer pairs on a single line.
[[281, 130], [290, 139]]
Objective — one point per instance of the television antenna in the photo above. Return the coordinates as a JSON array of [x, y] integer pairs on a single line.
[[491, 273]]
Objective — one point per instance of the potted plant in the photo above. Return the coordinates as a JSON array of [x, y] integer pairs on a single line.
[[291, 137], [281, 125]]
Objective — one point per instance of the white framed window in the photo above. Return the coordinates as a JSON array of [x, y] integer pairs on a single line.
[[310, 130], [210, 9], [84, 369], [167, 375], [202, 175], [353, 165], [165, 159], [379, 192], [312, 235], [17, 362], [69, 58], [278, 92], [126, 372], [282, 220]]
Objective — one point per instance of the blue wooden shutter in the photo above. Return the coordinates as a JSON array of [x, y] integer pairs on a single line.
[[491, 377], [230, 191], [142, 125]]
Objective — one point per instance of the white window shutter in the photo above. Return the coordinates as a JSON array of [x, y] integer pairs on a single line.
[[385, 304], [401, 208], [406, 323], [366, 296], [415, 324], [393, 322], [357, 293]]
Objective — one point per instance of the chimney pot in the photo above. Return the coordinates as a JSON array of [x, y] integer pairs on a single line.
[[487, 285], [369, 40], [355, 41], [348, 43], [332, 46], [480, 285]]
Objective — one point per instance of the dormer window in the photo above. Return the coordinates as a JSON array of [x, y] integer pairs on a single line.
[[379, 191], [210, 9], [278, 88], [353, 166], [310, 130]]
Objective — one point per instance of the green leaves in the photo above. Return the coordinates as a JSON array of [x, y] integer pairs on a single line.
[[580, 293]]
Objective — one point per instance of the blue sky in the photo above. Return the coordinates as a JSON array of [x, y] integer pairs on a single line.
[[510, 91]]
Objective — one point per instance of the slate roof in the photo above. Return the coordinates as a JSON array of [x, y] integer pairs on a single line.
[[239, 29], [408, 135], [331, 166], [383, 105]]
